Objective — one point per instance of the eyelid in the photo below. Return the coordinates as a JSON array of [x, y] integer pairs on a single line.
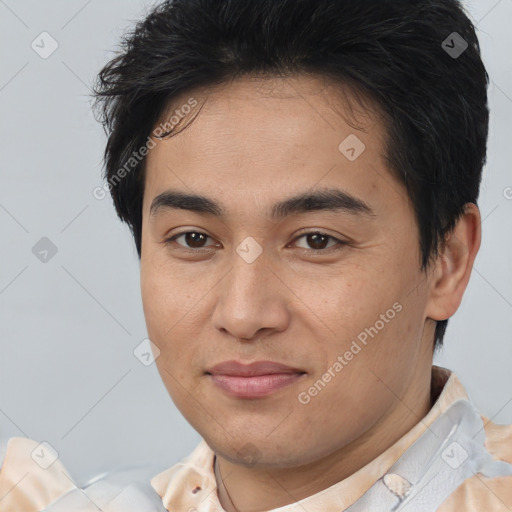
[[171, 239], [340, 243]]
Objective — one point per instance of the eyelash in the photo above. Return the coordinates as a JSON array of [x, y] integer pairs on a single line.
[[338, 246]]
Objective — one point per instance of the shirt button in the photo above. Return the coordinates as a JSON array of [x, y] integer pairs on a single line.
[[397, 484]]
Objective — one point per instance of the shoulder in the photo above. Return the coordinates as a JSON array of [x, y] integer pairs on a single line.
[[33, 479], [498, 439], [487, 492]]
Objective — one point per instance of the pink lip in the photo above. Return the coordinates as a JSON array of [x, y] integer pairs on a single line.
[[254, 380]]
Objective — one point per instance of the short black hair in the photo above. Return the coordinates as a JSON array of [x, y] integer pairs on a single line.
[[418, 61]]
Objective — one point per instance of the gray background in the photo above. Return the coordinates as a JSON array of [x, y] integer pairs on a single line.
[[68, 327]]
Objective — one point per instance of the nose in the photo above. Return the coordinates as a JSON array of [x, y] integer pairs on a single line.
[[251, 300]]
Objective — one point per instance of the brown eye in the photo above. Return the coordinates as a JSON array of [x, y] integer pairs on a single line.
[[193, 239], [318, 241]]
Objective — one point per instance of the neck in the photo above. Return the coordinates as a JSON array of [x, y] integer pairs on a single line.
[[253, 489]]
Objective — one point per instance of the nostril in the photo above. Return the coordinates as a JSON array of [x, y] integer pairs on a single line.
[[196, 489]]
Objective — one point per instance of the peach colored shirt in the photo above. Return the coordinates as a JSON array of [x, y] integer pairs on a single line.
[[471, 471]]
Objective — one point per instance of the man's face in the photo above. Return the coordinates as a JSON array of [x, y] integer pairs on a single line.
[[337, 295]]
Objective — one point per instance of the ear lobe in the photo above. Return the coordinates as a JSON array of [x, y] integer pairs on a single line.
[[454, 264]]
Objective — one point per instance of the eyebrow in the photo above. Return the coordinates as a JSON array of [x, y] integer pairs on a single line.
[[329, 199]]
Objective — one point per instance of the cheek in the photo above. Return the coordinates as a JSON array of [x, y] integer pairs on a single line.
[[372, 314], [165, 307], [172, 311], [157, 303], [165, 315], [354, 301], [166, 296]]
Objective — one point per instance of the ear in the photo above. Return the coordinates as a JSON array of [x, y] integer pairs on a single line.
[[453, 266]]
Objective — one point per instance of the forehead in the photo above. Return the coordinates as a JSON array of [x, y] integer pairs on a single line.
[[267, 135]]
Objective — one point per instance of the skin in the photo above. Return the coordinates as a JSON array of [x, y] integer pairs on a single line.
[[256, 142]]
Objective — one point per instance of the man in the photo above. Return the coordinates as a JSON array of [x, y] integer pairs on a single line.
[[301, 180]]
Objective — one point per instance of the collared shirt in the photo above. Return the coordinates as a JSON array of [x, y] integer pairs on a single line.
[[454, 459]]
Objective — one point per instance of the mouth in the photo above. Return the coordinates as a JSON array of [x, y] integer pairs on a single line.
[[255, 380]]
